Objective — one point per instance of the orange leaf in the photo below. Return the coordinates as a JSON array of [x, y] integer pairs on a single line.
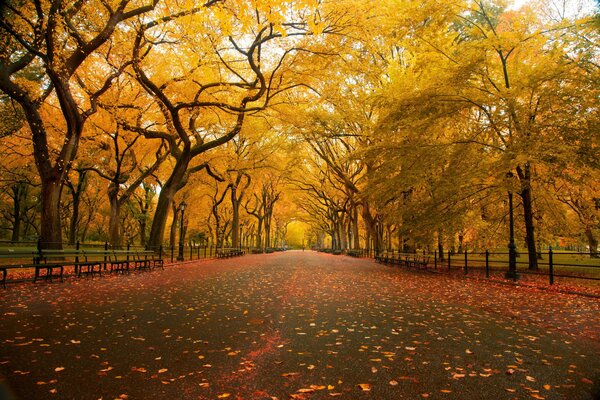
[[366, 387]]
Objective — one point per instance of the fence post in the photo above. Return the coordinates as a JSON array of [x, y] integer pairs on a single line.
[[449, 260], [172, 251], [466, 269], [128, 248], [487, 264], [160, 251], [191, 252], [550, 266], [435, 260]]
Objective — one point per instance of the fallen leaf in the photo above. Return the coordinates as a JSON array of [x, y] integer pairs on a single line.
[[160, 371], [58, 369], [365, 387]]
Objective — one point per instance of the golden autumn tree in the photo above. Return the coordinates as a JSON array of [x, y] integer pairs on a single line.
[[505, 75], [205, 69], [44, 45]]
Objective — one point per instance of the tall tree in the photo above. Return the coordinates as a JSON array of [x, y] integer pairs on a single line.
[[215, 80], [56, 39]]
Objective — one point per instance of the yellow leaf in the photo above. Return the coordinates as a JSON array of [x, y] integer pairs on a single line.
[[224, 395], [160, 371]]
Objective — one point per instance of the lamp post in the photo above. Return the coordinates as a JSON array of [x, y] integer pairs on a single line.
[[180, 253], [512, 248]]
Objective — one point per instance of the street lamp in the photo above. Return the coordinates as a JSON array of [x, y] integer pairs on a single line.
[[182, 209], [512, 248]]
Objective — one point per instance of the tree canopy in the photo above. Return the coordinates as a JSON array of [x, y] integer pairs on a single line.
[[391, 124]]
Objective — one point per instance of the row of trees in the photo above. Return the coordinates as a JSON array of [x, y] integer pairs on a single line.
[[380, 124], [452, 107], [146, 98]]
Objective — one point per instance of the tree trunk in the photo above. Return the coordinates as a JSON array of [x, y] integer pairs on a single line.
[[235, 220], [114, 222], [355, 231], [173, 228], [592, 242], [19, 197], [267, 232], [167, 194], [74, 225], [259, 233], [527, 198], [370, 225], [50, 233]]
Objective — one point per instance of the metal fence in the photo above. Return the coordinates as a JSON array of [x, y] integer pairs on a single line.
[[552, 265]]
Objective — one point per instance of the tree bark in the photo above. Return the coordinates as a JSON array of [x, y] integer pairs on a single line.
[[527, 198], [173, 228], [50, 232], [355, 231], [19, 194], [167, 194], [440, 246], [592, 242], [114, 222]]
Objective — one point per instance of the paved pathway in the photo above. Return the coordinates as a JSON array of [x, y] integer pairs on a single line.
[[297, 325]]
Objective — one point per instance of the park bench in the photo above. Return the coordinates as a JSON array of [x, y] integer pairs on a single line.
[[356, 253], [147, 259], [86, 263], [125, 260], [15, 259], [226, 253], [419, 261], [49, 263]]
